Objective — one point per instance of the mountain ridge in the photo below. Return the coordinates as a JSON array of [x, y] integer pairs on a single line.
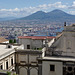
[[55, 14]]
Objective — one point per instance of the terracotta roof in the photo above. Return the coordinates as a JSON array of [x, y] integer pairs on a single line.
[[2, 39], [35, 37]]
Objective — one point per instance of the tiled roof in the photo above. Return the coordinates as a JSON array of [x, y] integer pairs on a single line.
[[2, 39], [35, 37]]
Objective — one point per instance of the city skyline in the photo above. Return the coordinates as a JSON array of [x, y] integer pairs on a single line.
[[22, 8]]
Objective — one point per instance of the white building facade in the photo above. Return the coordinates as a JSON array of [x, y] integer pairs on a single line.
[[7, 55]]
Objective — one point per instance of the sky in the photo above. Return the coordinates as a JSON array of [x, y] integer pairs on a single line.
[[22, 8]]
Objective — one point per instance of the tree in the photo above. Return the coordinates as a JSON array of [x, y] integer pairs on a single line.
[[14, 41], [10, 41]]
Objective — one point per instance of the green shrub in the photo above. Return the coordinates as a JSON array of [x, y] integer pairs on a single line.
[[39, 49], [14, 41], [9, 73], [10, 41], [14, 74]]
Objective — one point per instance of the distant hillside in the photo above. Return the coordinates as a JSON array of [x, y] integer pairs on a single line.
[[7, 18], [37, 15], [53, 16]]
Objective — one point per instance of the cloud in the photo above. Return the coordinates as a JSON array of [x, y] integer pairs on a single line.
[[57, 5], [72, 12], [16, 9], [21, 12], [73, 5], [54, 5], [60, 5]]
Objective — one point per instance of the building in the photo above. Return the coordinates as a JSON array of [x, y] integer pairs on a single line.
[[27, 62], [65, 42], [34, 42], [3, 40], [7, 55], [59, 58], [57, 65], [13, 57], [27, 59], [56, 58]]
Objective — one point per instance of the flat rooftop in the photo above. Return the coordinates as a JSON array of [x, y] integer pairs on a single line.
[[59, 59], [4, 51]]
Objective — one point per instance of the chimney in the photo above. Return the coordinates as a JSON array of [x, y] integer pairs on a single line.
[[64, 23]]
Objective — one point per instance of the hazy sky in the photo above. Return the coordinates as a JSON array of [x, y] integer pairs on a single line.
[[21, 8]]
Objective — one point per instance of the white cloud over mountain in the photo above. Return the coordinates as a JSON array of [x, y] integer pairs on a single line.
[[72, 12], [21, 12], [73, 3]]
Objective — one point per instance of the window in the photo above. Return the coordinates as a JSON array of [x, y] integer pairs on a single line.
[[9, 46], [11, 61], [52, 67], [69, 68], [6, 64], [1, 66], [28, 46]]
